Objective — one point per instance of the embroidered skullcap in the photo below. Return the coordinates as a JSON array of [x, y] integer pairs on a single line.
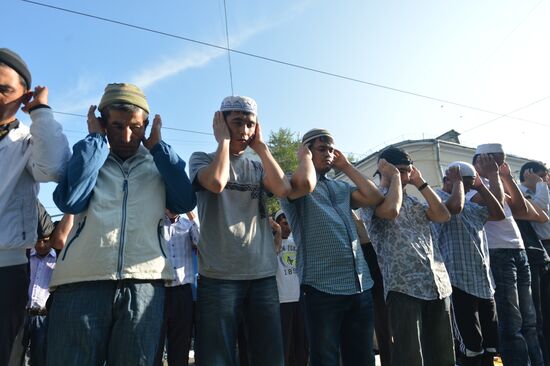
[[279, 214], [466, 169], [489, 149], [15, 61], [123, 94], [311, 135], [243, 104]]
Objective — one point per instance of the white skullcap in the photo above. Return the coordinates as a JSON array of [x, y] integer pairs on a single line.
[[278, 214], [243, 104], [466, 169], [489, 149]]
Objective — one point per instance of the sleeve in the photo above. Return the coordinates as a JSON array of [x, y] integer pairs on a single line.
[[541, 196], [197, 161], [72, 194], [194, 233], [49, 147], [179, 195]]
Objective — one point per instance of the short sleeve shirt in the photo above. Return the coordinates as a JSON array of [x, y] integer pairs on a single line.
[[464, 247], [409, 260], [236, 242], [329, 257]]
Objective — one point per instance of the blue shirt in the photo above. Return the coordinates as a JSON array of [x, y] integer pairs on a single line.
[[329, 256], [463, 243]]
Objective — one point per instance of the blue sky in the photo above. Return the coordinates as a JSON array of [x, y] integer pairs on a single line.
[[492, 55]]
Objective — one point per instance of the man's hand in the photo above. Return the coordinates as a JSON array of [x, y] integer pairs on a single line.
[[477, 182], [256, 142], [387, 170], [486, 165], [154, 136], [304, 152], [531, 179], [221, 131], [453, 174], [277, 234], [340, 161], [416, 177], [39, 96], [94, 124], [504, 171]]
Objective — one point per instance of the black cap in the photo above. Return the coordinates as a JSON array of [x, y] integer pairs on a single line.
[[15, 61]]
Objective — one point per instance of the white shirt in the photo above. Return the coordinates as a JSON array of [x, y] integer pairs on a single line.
[[41, 272], [180, 236], [288, 282]]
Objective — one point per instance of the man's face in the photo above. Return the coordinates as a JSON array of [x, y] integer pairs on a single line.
[[12, 94], [468, 183], [42, 246], [125, 130], [285, 227], [242, 127], [322, 156], [405, 173]]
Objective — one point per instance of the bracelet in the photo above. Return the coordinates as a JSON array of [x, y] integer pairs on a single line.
[[422, 186]]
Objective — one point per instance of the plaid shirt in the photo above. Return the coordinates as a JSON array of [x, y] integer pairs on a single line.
[[464, 246], [329, 256]]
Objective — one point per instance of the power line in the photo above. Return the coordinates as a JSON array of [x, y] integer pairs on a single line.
[[280, 62], [228, 50], [166, 128]]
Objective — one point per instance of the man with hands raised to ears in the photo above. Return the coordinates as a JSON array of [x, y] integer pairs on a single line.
[[334, 276], [237, 259], [30, 155], [463, 244], [416, 283], [112, 269]]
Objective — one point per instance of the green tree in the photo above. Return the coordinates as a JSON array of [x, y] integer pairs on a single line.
[[283, 145]]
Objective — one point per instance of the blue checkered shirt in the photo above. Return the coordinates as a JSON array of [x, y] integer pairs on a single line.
[[329, 256], [463, 243]]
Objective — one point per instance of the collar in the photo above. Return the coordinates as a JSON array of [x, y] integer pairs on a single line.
[[5, 129], [50, 254]]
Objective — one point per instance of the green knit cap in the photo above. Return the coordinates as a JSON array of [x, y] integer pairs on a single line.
[[123, 94]]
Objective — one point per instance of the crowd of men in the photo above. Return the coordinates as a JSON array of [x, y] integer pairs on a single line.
[[455, 278]]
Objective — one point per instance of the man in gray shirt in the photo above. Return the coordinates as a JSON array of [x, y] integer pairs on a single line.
[[237, 259]]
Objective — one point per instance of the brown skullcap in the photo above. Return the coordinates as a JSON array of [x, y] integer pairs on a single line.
[[123, 94], [311, 135]]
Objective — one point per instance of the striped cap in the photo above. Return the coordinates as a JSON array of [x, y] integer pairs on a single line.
[[123, 94], [315, 133], [243, 104]]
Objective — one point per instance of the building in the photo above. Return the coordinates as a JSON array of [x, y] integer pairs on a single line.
[[431, 157]]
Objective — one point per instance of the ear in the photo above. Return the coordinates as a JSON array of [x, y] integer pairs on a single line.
[[27, 96], [102, 122]]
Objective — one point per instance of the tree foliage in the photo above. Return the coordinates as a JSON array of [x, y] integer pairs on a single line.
[[283, 145]]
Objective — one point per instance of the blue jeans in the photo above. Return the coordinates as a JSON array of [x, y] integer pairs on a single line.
[[34, 339], [339, 325], [118, 322], [222, 305], [517, 321]]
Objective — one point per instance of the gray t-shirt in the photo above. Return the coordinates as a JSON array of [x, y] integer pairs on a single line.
[[236, 241]]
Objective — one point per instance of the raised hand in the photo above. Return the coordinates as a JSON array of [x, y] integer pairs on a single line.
[[386, 169], [94, 124], [256, 141], [486, 165], [340, 161], [504, 170], [531, 179], [304, 152], [416, 177], [221, 131], [154, 136], [453, 174], [39, 96]]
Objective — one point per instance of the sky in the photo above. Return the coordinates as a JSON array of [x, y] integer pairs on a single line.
[[419, 68]]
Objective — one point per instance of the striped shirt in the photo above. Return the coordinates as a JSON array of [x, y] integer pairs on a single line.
[[463, 243], [329, 256]]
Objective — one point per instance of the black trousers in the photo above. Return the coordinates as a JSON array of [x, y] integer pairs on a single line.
[[178, 325], [294, 334], [14, 284]]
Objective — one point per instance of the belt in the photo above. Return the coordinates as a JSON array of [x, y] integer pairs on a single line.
[[37, 311]]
